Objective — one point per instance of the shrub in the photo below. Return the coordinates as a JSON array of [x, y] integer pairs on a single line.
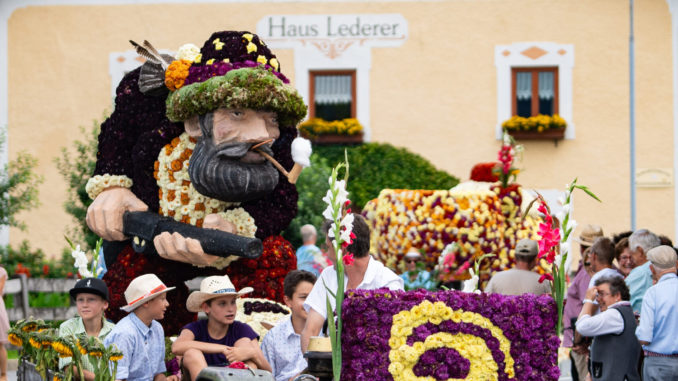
[[33, 263], [377, 166], [373, 167]]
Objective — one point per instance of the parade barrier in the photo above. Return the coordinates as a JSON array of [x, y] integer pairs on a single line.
[[20, 287]]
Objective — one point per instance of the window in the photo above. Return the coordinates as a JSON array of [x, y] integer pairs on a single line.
[[332, 95], [535, 91]]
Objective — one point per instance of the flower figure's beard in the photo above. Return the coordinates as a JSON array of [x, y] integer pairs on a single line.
[[217, 172]]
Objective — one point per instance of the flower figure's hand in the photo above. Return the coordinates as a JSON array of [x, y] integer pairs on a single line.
[[188, 250], [104, 216]]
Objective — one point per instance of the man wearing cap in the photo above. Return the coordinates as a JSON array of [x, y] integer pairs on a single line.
[[224, 108], [520, 279], [91, 300], [575, 295], [658, 328], [138, 335], [640, 278]]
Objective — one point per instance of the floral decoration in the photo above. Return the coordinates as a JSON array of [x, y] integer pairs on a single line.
[[97, 184], [318, 126], [507, 153], [97, 269], [553, 234], [176, 73], [255, 311], [188, 52], [539, 123], [479, 218], [491, 336]]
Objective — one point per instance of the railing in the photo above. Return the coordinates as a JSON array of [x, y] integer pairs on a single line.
[[21, 286]]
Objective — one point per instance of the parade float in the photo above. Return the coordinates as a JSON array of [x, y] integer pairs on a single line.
[[164, 111]]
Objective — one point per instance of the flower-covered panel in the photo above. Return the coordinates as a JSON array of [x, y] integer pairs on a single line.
[[422, 335]]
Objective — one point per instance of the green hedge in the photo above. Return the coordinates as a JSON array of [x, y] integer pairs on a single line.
[[373, 167]]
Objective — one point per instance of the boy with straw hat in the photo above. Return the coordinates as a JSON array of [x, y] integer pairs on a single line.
[[220, 339], [138, 335]]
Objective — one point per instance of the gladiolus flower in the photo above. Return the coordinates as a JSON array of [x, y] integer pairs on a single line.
[[348, 259], [546, 276]]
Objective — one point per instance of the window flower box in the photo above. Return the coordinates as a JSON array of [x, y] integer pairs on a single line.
[[540, 127], [320, 131]]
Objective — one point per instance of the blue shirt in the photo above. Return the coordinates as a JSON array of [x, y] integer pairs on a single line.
[[423, 280], [659, 316], [282, 349], [143, 348], [310, 258], [639, 281]]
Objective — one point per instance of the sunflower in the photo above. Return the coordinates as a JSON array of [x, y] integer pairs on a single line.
[[62, 347], [15, 340]]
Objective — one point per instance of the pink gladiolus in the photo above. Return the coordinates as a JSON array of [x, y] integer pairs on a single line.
[[545, 276], [348, 259], [464, 267]]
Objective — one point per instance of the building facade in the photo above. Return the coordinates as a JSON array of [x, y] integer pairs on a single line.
[[436, 77]]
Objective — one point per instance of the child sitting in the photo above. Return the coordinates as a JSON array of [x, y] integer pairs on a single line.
[[282, 345], [220, 339], [91, 300], [138, 335]]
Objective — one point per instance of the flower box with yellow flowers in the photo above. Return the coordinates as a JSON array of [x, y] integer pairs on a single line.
[[540, 127], [320, 131]]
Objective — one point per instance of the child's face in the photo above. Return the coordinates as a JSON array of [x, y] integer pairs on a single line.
[[222, 309], [296, 304], [90, 306], [157, 306]]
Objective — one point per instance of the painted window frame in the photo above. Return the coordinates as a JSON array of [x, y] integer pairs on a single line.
[[535, 88], [520, 55], [311, 89]]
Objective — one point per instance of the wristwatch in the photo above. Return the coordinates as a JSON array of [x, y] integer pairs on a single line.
[[587, 301]]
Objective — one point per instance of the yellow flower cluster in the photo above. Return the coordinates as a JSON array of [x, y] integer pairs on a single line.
[[539, 123], [260, 320], [319, 126], [176, 74], [476, 218], [404, 357], [99, 183]]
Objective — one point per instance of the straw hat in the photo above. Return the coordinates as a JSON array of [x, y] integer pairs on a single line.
[[413, 253], [213, 287], [589, 235], [142, 289]]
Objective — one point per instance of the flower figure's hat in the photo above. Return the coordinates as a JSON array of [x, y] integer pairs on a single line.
[[213, 287], [232, 70], [142, 289]]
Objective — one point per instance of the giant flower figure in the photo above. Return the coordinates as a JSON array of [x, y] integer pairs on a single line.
[[553, 233], [341, 232]]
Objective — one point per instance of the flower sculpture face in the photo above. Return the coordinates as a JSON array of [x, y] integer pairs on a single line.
[[223, 164]]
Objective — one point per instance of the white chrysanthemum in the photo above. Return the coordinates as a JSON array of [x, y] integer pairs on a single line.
[[188, 52]]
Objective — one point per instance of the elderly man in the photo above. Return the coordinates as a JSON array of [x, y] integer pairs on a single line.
[[228, 107], [520, 279], [615, 351], [658, 327], [309, 256], [365, 273], [640, 278]]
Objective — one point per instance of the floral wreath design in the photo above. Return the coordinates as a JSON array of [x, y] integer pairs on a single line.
[[404, 357]]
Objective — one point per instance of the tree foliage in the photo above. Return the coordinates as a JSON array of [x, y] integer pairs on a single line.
[[18, 187], [77, 167]]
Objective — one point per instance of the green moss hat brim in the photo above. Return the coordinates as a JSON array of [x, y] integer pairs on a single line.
[[253, 88]]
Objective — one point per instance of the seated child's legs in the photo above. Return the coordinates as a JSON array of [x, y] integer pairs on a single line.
[[194, 362]]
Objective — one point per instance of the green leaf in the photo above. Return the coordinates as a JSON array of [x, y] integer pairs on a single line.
[[588, 192]]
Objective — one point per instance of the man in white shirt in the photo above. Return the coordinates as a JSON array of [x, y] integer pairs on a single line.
[[364, 273]]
